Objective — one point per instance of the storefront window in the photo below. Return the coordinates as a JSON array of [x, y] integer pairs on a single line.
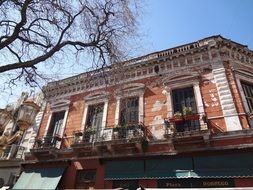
[[86, 179]]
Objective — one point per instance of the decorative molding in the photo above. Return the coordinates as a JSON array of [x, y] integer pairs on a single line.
[[202, 52], [59, 105], [93, 99], [96, 97], [244, 74], [132, 89], [181, 79]]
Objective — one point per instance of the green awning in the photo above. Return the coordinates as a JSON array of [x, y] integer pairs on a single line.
[[169, 168], [42, 178], [218, 166], [118, 170], [229, 165]]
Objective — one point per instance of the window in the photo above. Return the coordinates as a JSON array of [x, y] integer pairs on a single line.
[[129, 111], [95, 110], [86, 179], [130, 104], [56, 123], [185, 98], [95, 116], [86, 176], [248, 92]]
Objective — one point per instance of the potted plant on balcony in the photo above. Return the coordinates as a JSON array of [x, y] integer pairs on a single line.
[[89, 134], [77, 136], [119, 132], [189, 115], [177, 117], [38, 142], [91, 130]]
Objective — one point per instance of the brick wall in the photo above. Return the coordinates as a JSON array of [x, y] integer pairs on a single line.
[[155, 104]]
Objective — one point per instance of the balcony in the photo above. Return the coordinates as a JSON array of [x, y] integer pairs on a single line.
[[184, 125], [46, 147], [128, 140], [109, 141], [185, 131], [12, 152]]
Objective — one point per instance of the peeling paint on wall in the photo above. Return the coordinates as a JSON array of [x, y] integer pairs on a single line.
[[157, 106], [214, 98], [157, 127], [206, 104], [157, 120]]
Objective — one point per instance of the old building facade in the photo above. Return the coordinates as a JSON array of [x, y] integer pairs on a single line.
[[14, 141], [181, 117]]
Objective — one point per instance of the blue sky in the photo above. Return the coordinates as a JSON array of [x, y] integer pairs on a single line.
[[168, 23]]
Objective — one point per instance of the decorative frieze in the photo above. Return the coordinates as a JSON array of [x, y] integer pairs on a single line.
[[199, 53]]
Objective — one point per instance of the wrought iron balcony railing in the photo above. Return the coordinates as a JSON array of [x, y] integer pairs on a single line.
[[129, 132], [47, 142], [184, 125], [12, 152]]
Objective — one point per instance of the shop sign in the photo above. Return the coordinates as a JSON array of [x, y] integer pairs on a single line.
[[191, 182], [125, 184]]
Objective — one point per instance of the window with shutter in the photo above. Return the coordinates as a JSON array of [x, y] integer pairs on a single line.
[[95, 116], [129, 111], [56, 123], [55, 128], [248, 92]]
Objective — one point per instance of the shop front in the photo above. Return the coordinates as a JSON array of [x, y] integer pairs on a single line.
[[212, 171], [195, 183], [39, 178]]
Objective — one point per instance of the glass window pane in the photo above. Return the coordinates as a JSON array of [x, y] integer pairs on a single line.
[[129, 111], [248, 92], [95, 116]]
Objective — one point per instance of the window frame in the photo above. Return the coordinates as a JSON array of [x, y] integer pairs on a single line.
[[95, 99], [128, 91], [88, 171], [85, 184], [184, 80], [93, 106], [249, 99], [129, 110], [194, 107], [58, 106], [186, 125], [242, 76], [54, 127]]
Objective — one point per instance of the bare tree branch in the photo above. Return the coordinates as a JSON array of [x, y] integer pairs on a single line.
[[16, 31], [33, 32]]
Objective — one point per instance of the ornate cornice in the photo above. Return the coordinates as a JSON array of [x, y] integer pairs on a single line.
[[196, 54]]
